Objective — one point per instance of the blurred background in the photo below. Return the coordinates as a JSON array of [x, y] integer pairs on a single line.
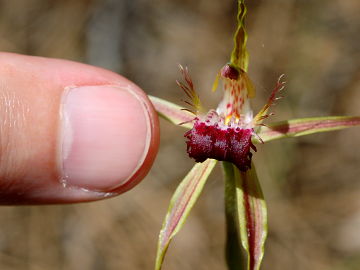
[[311, 184]]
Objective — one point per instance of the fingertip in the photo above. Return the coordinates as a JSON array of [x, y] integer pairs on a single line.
[[85, 133]]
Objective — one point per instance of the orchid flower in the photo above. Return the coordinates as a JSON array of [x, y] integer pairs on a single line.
[[229, 134]]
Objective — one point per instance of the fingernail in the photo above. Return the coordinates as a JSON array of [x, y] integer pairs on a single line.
[[104, 136]]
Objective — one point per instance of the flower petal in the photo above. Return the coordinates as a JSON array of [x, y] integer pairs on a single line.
[[305, 126], [172, 112], [181, 204], [188, 87]]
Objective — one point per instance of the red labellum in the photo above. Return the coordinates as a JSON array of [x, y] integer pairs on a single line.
[[210, 140]]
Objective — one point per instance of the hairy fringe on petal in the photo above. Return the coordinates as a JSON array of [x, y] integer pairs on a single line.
[[188, 87], [263, 113]]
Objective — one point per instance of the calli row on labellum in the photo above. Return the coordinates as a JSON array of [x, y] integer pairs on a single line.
[[226, 133]]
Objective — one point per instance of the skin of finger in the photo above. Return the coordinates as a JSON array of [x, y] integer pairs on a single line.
[[30, 95]]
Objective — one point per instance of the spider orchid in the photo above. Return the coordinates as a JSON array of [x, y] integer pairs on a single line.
[[226, 133], [229, 134]]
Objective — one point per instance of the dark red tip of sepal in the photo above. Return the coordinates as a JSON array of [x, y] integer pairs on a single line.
[[229, 144]]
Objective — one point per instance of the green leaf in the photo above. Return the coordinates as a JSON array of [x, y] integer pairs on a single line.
[[239, 56], [172, 112], [306, 126], [252, 215], [181, 204], [233, 251]]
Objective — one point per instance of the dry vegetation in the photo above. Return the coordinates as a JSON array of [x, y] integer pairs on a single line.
[[312, 184]]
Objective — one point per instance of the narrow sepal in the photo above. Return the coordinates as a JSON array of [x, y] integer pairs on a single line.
[[239, 55], [181, 204], [305, 126], [172, 112], [233, 251], [252, 213]]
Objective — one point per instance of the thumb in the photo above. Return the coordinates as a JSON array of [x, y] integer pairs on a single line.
[[70, 132]]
